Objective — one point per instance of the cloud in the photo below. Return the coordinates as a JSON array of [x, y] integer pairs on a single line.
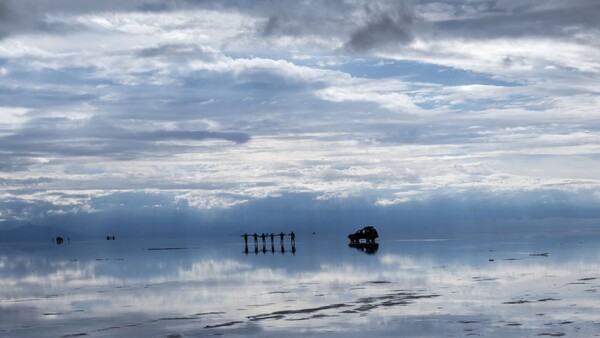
[[165, 135], [383, 27], [9, 162], [68, 138], [6, 16], [26, 17], [189, 106], [516, 19], [176, 49]]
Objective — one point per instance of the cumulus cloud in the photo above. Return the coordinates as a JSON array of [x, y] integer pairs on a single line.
[[383, 27]]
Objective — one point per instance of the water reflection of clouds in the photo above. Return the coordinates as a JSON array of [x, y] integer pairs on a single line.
[[147, 286], [216, 269]]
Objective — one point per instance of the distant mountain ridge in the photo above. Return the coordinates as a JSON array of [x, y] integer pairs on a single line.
[[35, 233]]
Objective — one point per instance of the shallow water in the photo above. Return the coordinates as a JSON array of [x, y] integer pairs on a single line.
[[492, 285]]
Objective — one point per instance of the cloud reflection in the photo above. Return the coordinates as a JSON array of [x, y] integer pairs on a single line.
[[324, 287]]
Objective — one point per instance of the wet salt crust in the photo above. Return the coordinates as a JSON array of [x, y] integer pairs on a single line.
[[488, 285]]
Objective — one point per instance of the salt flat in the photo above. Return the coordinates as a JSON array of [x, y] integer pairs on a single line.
[[491, 285]]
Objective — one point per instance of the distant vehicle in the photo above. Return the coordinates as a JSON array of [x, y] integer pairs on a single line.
[[368, 234]]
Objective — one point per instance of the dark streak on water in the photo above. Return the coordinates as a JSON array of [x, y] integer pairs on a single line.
[[224, 324], [159, 249], [281, 314]]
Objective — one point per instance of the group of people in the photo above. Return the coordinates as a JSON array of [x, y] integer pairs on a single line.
[[264, 236]]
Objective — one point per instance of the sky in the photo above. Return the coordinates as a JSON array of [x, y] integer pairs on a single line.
[[233, 114]]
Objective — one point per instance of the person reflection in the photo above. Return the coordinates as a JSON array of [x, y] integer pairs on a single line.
[[245, 235], [272, 246], [255, 243], [281, 241]]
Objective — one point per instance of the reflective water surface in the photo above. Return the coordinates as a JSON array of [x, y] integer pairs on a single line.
[[491, 285]]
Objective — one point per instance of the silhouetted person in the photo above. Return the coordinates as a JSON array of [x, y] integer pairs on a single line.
[[255, 238], [245, 235], [263, 236], [281, 234], [293, 236], [264, 250], [272, 236]]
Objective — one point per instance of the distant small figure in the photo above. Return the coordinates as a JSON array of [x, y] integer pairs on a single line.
[[245, 235], [272, 236], [293, 237], [263, 237], [59, 240], [255, 238], [281, 234]]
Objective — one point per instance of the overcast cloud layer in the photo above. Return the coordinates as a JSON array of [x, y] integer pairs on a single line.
[[219, 108]]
